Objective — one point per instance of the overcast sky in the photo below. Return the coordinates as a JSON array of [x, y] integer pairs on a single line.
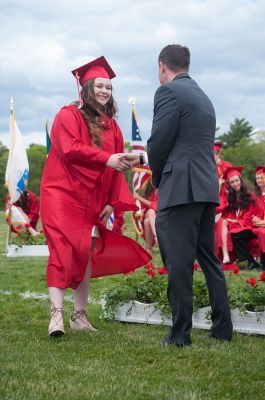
[[41, 42]]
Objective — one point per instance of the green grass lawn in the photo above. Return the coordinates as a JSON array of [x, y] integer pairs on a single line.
[[120, 361]]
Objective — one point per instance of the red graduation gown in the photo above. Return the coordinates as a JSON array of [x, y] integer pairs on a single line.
[[244, 219], [75, 187], [259, 231]]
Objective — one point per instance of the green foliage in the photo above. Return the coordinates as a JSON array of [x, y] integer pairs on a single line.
[[239, 129], [246, 153], [147, 288], [244, 296], [37, 157], [27, 239]]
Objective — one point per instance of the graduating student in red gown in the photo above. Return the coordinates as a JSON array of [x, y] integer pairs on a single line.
[[149, 207], [258, 220], [236, 215], [81, 185], [221, 167], [24, 213]]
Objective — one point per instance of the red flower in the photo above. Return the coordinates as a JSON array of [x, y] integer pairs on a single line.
[[236, 270], [196, 266], [262, 276], [151, 273], [251, 281], [151, 266], [162, 270], [146, 266], [228, 267], [27, 225]]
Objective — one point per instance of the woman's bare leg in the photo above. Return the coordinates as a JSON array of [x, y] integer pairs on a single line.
[[151, 215], [56, 326], [149, 237], [79, 317], [226, 258]]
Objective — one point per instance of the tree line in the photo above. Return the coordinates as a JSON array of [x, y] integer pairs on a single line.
[[239, 149]]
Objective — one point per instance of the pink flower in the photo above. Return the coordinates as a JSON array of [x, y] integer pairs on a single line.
[[162, 270], [251, 281]]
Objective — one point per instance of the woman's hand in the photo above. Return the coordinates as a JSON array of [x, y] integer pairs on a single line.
[[221, 181], [106, 213], [136, 196], [234, 221], [117, 161]]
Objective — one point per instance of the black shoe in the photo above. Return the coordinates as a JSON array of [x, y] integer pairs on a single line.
[[252, 264], [174, 342], [211, 336]]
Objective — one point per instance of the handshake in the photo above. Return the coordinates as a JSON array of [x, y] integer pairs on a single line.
[[124, 161]]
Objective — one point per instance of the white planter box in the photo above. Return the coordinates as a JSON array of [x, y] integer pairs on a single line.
[[134, 311], [38, 250]]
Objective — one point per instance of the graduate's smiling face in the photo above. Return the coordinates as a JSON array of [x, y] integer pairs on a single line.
[[260, 179], [102, 90], [235, 183]]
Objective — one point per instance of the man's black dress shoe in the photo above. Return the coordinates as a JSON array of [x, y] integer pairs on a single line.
[[173, 342], [252, 264], [211, 336]]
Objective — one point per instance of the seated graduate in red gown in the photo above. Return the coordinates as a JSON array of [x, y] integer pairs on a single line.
[[221, 167], [23, 215], [148, 214], [258, 220], [80, 189], [236, 217]]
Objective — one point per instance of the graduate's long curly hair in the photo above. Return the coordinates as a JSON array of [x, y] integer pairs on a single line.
[[242, 201], [257, 189], [92, 111], [23, 201], [149, 189]]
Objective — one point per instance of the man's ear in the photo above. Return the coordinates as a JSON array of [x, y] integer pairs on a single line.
[[161, 66]]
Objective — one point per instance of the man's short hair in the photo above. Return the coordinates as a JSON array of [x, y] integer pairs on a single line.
[[175, 57]]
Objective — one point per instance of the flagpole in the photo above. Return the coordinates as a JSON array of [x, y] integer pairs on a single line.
[[8, 238]]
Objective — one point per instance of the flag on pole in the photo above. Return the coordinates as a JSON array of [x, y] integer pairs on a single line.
[[17, 169], [48, 140], [141, 174]]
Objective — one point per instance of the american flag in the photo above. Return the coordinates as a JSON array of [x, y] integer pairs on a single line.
[[141, 174]]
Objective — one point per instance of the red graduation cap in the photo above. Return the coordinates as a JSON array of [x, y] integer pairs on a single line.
[[232, 171], [98, 68], [260, 169], [217, 146]]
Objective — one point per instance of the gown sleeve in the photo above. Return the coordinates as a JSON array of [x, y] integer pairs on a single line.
[[82, 159]]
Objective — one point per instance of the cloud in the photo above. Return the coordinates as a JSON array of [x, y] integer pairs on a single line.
[[41, 45]]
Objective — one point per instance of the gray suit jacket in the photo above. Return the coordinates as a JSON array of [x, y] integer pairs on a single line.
[[180, 149]]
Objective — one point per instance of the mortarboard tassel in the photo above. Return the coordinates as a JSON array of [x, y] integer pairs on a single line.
[[78, 89]]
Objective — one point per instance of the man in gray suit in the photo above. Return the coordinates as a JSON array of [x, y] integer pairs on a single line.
[[181, 157]]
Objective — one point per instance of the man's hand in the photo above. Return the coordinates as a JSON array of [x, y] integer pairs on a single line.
[[119, 162], [132, 158], [106, 213]]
